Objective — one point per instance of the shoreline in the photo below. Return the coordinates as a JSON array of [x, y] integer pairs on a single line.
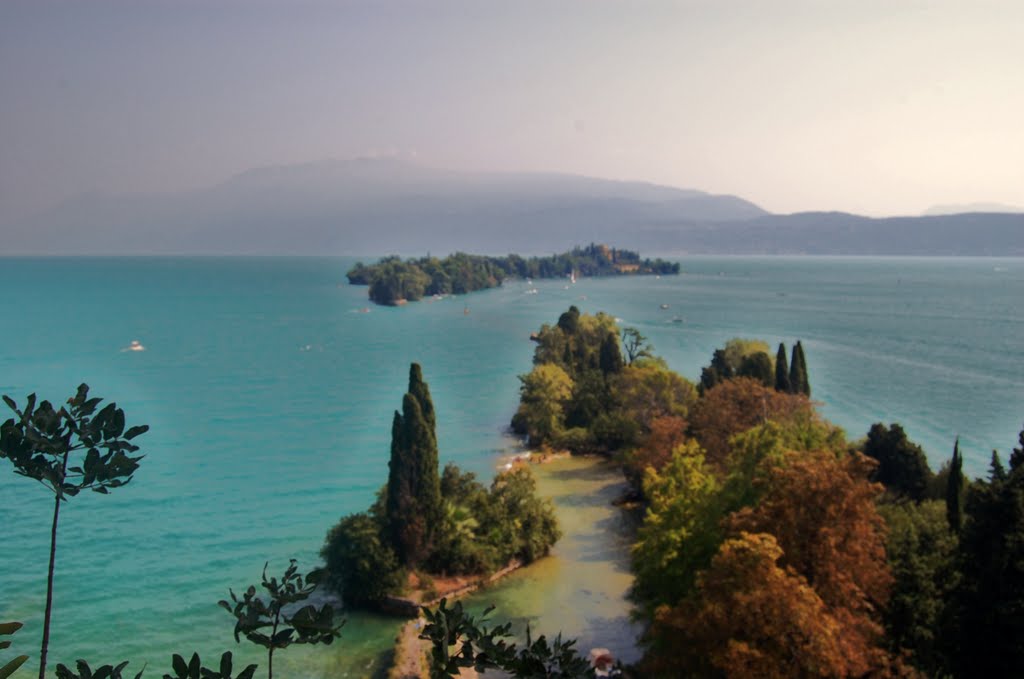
[[579, 589]]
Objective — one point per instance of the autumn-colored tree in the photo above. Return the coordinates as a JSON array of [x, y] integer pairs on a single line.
[[750, 617], [655, 449], [821, 509], [735, 406]]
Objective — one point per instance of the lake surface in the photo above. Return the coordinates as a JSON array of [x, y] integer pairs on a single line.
[[270, 396]]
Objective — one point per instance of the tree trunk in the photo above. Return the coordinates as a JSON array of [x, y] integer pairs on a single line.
[[49, 588]]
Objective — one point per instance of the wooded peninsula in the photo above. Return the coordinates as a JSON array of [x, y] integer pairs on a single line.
[[393, 281]]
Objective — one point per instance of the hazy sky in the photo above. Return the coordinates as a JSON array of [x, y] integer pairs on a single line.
[[882, 107]]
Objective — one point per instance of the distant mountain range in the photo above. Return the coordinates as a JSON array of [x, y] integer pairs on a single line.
[[385, 206]]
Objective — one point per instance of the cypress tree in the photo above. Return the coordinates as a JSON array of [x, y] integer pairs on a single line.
[[781, 370], [997, 472], [954, 490], [413, 506], [794, 372], [419, 389], [610, 359], [1017, 456], [798, 372]]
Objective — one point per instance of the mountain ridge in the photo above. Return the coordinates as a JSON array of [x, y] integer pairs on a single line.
[[388, 205]]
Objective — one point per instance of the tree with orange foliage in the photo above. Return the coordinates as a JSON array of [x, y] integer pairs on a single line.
[[655, 449], [735, 406], [821, 509], [751, 617], [798, 586]]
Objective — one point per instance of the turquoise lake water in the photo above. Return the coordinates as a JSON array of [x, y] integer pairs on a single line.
[[270, 397]]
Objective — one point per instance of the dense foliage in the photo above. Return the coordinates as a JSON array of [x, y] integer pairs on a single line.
[[771, 546], [902, 465], [443, 524], [459, 641], [585, 396], [393, 280], [274, 619]]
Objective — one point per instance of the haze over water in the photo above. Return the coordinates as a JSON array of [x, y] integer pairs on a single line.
[[270, 396]]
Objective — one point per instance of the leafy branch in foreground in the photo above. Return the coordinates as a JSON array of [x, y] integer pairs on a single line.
[[69, 450], [307, 625], [484, 648], [8, 668], [193, 669]]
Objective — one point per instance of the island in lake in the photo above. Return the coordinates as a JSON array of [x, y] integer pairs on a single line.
[[393, 281]]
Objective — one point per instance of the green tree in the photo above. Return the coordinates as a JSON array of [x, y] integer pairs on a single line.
[[610, 356], [362, 566], [69, 450], [515, 521], [254, 613], [921, 551], [680, 531], [569, 321], [781, 370], [727, 362], [413, 504], [997, 472], [544, 395], [988, 638], [757, 366], [798, 382], [902, 465], [955, 490], [636, 345]]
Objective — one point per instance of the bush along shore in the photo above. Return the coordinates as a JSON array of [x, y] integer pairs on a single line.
[[393, 281], [434, 533]]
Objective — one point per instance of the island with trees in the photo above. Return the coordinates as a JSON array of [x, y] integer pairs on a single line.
[[393, 281]]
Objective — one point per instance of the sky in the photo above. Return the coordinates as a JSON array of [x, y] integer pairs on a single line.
[[876, 107]]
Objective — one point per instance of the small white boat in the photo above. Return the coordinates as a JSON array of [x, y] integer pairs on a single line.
[[135, 345]]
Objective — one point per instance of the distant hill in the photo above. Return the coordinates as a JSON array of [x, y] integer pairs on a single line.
[[387, 206], [971, 207], [838, 233]]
